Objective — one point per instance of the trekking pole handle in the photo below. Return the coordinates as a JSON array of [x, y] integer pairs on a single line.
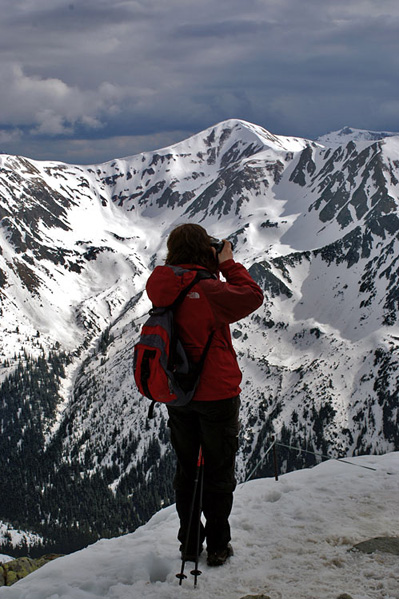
[[200, 461]]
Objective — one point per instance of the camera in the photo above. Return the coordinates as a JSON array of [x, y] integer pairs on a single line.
[[218, 244]]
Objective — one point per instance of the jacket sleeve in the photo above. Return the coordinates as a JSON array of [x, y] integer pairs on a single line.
[[235, 298]]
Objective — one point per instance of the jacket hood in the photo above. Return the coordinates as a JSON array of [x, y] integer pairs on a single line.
[[166, 282]]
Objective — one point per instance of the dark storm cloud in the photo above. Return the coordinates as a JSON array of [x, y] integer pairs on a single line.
[[228, 28], [79, 14], [93, 79]]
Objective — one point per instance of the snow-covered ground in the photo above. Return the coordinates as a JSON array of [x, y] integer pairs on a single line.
[[5, 558], [17, 538], [292, 540]]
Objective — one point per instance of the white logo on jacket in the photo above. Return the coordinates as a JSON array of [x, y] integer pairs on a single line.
[[193, 295]]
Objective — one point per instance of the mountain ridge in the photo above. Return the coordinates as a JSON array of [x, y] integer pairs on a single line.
[[347, 134]]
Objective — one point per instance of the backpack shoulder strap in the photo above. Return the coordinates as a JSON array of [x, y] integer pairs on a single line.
[[200, 274]]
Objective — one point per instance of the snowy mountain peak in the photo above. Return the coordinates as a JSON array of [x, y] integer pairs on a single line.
[[224, 139], [248, 133], [347, 134]]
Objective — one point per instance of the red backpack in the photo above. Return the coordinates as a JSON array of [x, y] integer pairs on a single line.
[[162, 370]]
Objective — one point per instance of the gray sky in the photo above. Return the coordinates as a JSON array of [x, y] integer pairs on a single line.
[[87, 81]]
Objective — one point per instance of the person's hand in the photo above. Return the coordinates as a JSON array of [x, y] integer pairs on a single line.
[[226, 253]]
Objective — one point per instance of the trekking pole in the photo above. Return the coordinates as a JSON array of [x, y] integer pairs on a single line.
[[275, 459], [181, 576], [197, 572]]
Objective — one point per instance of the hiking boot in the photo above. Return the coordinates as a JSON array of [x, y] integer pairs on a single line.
[[190, 555], [218, 558]]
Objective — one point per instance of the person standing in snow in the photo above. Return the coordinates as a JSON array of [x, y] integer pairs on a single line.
[[211, 419]]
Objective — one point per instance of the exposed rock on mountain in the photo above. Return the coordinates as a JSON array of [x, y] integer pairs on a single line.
[[16, 569]]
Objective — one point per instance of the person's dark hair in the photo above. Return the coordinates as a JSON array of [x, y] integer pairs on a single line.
[[190, 244]]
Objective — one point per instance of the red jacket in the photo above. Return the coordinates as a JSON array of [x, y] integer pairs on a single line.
[[210, 305]]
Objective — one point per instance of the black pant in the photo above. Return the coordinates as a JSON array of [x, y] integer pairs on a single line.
[[214, 425]]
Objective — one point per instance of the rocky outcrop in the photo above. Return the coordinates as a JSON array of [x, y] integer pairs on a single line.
[[382, 544], [11, 572]]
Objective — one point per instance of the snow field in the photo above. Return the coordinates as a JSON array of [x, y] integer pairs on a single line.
[[292, 539]]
